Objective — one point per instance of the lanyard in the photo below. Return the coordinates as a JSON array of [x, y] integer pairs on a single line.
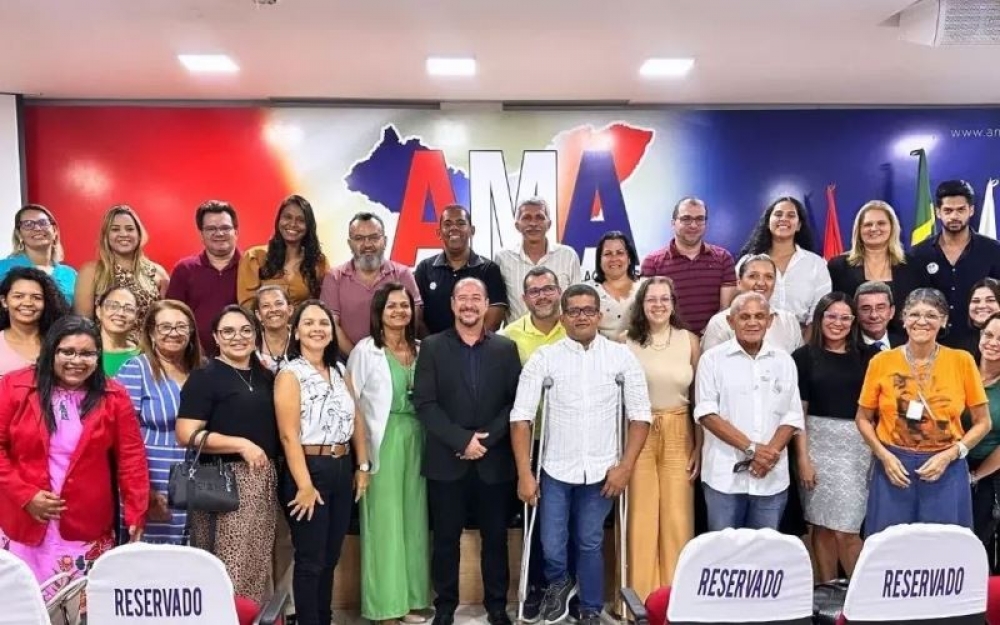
[[916, 376]]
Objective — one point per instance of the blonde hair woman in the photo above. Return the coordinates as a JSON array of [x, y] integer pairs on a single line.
[[876, 252], [120, 263], [35, 243]]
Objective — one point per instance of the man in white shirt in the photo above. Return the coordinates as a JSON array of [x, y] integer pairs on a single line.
[[875, 310], [533, 222], [581, 468], [748, 402], [757, 275]]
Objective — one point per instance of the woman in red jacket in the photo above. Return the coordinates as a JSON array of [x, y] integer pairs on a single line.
[[61, 424]]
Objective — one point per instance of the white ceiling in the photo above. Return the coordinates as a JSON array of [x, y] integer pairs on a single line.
[[746, 51]]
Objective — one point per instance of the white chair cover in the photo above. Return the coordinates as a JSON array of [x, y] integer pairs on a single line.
[[919, 571], [143, 584], [22, 597], [742, 576]]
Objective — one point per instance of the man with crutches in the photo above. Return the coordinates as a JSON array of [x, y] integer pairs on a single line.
[[582, 467]]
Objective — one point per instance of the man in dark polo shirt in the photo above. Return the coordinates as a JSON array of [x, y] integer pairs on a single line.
[[206, 282], [704, 275], [954, 259], [437, 275]]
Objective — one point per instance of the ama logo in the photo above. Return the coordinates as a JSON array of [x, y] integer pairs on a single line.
[[580, 175]]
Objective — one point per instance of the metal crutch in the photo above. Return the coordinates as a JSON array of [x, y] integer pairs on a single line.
[[531, 512], [620, 434]]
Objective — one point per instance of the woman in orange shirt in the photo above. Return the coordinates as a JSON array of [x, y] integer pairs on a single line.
[[920, 390]]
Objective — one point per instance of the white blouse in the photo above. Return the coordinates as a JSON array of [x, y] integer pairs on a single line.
[[800, 287], [327, 411], [614, 312]]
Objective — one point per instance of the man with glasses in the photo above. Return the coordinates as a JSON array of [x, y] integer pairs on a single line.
[[348, 289], [704, 275], [876, 309], [582, 472], [747, 399], [436, 276], [954, 259], [206, 282]]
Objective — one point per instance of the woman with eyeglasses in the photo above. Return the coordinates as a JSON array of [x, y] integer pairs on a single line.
[[154, 379], [274, 314], [230, 403], [984, 301], [984, 458], [661, 490], [292, 259], [832, 458], [120, 262], [323, 436], [116, 311], [919, 391], [35, 241], [56, 504], [395, 577], [617, 281], [29, 304]]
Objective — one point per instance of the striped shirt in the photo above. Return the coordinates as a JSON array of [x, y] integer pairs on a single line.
[[156, 404], [515, 264], [698, 282]]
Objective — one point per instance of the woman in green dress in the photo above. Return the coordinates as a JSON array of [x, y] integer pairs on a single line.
[[395, 576], [116, 315]]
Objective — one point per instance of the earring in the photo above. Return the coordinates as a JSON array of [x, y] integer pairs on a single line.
[[20, 244]]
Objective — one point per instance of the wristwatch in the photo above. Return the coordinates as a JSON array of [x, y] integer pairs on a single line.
[[751, 450], [365, 467], [963, 451]]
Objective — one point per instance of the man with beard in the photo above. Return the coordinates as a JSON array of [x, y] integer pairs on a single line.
[[955, 258], [348, 289], [436, 276], [464, 387], [206, 282]]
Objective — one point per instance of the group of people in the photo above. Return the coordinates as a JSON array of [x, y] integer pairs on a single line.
[[766, 388]]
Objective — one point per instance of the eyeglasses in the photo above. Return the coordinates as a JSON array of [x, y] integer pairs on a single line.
[[69, 353], [688, 220], [587, 311], [210, 230], [917, 316], [34, 224], [166, 329], [834, 317], [370, 238], [535, 291], [880, 309], [246, 332], [652, 301], [114, 307]]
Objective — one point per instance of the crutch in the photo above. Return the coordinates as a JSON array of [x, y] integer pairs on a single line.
[[620, 435], [531, 512]]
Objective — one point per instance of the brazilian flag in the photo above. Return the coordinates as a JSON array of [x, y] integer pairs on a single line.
[[923, 218]]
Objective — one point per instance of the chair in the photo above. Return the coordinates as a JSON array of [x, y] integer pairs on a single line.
[[923, 573], [22, 597], [165, 585], [736, 576]]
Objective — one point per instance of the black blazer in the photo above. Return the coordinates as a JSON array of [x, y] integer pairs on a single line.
[[847, 278], [452, 410]]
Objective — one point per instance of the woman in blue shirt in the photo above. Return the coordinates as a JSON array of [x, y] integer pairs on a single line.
[[35, 242]]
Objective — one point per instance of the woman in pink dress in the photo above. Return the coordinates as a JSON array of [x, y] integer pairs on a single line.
[[63, 429]]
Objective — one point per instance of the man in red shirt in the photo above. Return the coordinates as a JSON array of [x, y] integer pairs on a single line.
[[704, 275]]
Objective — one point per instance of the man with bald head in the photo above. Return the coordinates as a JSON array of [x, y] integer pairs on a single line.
[[747, 399], [464, 388]]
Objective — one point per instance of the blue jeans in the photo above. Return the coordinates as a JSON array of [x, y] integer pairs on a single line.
[[583, 505], [742, 510]]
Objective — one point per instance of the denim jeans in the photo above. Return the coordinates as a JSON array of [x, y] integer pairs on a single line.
[[743, 510], [582, 505]]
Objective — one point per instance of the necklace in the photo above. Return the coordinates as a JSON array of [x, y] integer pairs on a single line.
[[271, 353], [247, 380], [659, 347]]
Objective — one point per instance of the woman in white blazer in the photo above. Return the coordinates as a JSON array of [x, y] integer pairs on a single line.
[[394, 541]]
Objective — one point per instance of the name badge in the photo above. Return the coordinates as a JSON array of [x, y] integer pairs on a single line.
[[915, 411]]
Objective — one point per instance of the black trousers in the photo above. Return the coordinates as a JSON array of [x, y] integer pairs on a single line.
[[985, 495], [317, 542], [450, 504]]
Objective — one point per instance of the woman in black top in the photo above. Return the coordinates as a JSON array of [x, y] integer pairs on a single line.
[[232, 398], [833, 459], [983, 303]]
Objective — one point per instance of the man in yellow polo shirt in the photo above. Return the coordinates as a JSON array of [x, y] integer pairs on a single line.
[[539, 327]]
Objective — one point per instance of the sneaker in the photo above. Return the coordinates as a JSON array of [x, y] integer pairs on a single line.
[[590, 618], [498, 617], [574, 610], [555, 604], [532, 606]]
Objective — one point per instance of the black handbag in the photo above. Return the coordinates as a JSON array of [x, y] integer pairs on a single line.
[[208, 487]]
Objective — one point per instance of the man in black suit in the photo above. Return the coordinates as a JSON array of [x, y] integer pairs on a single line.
[[876, 310], [464, 388]]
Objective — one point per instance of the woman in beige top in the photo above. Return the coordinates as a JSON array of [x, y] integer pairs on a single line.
[[661, 491]]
